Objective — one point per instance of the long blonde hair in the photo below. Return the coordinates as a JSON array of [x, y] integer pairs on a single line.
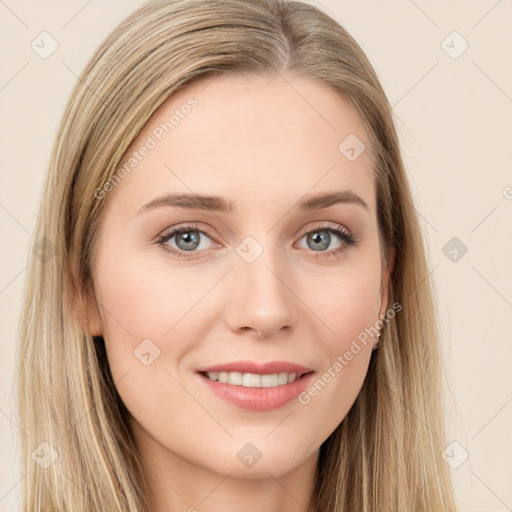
[[386, 453]]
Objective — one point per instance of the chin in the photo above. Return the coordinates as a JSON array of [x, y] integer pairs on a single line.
[[260, 460]]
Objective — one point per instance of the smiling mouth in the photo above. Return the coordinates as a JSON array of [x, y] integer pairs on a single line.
[[253, 387], [254, 380]]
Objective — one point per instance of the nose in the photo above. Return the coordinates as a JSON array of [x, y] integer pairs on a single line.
[[260, 297]]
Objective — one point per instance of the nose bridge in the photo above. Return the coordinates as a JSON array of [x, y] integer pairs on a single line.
[[259, 299]]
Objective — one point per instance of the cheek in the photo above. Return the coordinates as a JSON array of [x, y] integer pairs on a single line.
[[348, 308], [142, 301], [146, 318], [347, 304]]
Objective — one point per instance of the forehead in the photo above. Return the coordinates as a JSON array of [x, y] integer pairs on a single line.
[[261, 134]]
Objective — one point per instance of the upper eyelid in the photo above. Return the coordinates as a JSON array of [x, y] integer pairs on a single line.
[[197, 227], [169, 233]]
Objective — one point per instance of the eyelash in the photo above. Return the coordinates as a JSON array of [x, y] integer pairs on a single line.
[[346, 237]]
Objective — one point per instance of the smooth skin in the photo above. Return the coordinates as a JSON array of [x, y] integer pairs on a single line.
[[263, 143]]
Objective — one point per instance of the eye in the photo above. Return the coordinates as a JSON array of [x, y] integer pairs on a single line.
[[185, 239], [328, 240]]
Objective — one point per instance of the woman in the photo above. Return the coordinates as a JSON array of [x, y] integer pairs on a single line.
[[231, 306]]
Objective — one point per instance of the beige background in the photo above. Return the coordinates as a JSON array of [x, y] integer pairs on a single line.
[[455, 121]]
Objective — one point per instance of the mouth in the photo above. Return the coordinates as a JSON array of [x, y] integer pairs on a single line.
[[257, 387]]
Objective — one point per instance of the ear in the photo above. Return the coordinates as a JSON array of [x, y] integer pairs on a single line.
[[94, 325], [85, 307], [386, 278]]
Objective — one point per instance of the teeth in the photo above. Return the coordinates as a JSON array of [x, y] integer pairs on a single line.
[[253, 380]]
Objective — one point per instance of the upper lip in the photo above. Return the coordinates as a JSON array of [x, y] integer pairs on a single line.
[[258, 368]]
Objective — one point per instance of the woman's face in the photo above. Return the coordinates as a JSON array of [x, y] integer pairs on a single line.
[[277, 264]]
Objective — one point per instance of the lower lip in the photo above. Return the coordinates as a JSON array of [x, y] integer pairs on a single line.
[[258, 399]]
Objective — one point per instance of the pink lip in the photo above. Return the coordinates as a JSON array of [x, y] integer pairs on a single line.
[[259, 368], [258, 399]]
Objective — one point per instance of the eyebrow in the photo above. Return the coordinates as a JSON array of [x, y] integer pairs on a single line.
[[218, 204]]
